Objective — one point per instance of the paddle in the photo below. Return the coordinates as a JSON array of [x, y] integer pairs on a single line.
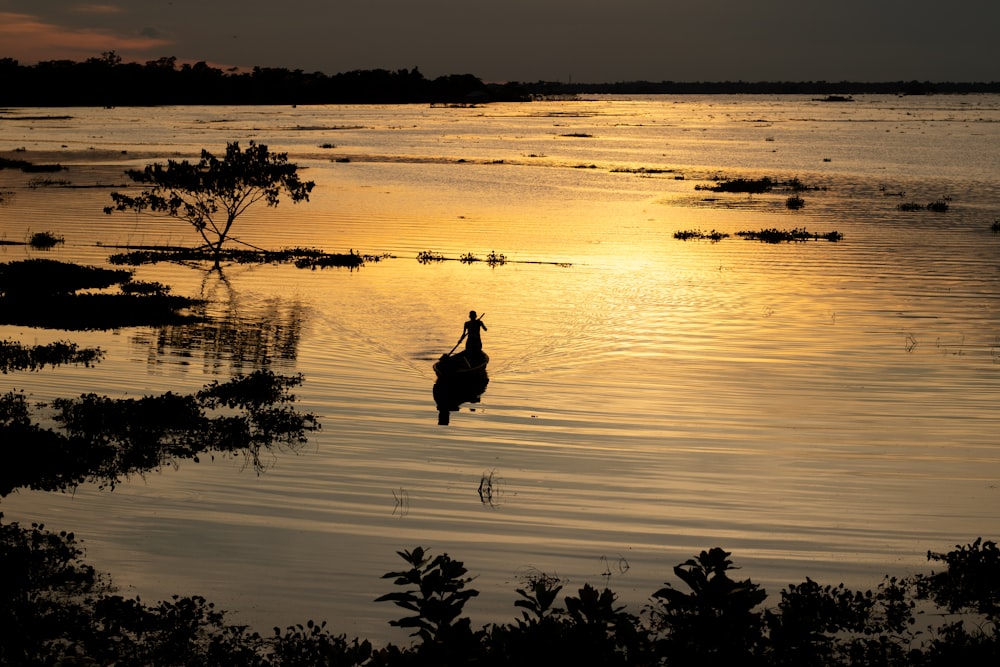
[[462, 338]]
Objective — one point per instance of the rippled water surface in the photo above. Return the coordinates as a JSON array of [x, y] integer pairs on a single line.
[[820, 409]]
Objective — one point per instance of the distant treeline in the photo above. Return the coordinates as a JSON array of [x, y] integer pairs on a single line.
[[107, 81]]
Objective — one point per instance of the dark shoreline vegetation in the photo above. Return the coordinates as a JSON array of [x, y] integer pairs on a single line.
[[44, 293], [109, 81], [60, 610]]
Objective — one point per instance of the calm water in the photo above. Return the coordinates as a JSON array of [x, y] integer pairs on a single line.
[[820, 409]]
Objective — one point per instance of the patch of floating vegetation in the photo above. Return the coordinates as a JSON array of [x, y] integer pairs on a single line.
[[29, 167], [36, 183], [38, 240], [43, 240], [645, 171], [44, 293], [687, 235], [428, 256], [740, 185], [937, 206], [785, 236], [17, 357], [764, 235], [303, 258], [493, 258], [795, 202], [577, 135], [106, 440], [754, 186]]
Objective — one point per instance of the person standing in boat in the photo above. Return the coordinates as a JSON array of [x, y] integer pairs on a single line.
[[471, 331]]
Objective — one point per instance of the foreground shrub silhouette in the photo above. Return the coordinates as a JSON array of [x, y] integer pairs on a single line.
[[61, 611], [714, 623]]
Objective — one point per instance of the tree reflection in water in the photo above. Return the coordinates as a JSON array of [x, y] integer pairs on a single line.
[[236, 331]]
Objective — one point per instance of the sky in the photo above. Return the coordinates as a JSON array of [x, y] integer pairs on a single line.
[[582, 41]]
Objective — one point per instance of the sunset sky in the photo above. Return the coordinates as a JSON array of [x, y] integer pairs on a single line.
[[592, 41]]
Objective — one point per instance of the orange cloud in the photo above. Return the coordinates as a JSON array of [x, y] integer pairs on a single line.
[[29, 40]]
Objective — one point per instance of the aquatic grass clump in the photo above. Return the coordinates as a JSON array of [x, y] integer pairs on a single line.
[[937, 206], [494, 258], [17, 357], [44, 293], [45, 240], [773, 235], [106, 439], [303, 258], [36, 183], [428, 256], [29, 167], [39, 278], [795, 202], [141, 287], [750, 186], [689, 234], [644, 171]]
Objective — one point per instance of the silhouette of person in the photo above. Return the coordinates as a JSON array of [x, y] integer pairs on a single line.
[[471, 330]]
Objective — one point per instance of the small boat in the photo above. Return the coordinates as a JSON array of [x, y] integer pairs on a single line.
[[461, 364]]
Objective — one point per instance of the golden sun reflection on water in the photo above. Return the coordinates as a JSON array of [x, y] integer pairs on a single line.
[[820, 409]]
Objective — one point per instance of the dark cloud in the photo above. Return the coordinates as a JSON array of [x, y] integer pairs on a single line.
[[588, 40]]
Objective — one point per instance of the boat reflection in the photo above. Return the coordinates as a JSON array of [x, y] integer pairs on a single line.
[[461, 378]]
